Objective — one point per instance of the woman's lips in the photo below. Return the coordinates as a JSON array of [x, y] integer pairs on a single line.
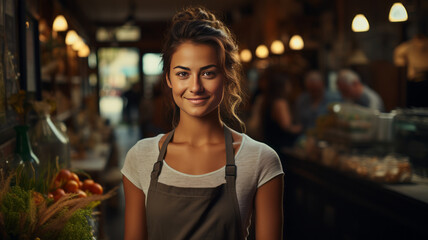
[[197, 100]]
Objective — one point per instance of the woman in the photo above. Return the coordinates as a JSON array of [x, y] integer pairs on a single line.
[[279, 128], [202, 180]]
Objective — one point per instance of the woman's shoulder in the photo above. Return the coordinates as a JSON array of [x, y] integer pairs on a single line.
[[252, 146], [261, 158], [147, 145]]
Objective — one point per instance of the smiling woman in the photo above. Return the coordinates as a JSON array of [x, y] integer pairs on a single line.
[[202, 180], [195, 81]]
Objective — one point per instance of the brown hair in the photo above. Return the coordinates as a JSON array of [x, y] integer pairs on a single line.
[[198, 25]]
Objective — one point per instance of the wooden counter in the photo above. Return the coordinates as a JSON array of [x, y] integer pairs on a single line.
[[321, 202]]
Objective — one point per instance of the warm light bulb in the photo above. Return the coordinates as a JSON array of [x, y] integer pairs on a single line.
[[78, 44], [398, 13], [84, 51], [360, 23], [245, 55], [71, 37], [60, 24], [277, 47], [262, 51], [296, 42]]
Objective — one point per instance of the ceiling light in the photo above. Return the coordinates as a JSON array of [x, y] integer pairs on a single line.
[[78, 44], [360, 23], [71, 37], [60, 24], [277, 47], [296, 42], [398, 13], [245, 55], [262, 51], [84, 51]]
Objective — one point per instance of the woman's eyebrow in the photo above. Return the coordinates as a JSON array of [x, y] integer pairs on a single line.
[[184, 68], [202, 68], [209, 66]]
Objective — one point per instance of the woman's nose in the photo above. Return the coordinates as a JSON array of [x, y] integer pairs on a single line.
[[196, 85]]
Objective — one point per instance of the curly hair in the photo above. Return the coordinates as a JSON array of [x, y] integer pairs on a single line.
[[200, 26]]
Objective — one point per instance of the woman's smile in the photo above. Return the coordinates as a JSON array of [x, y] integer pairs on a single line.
[[197, 100]]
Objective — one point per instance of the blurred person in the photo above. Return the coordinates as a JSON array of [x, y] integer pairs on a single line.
[[353, 90], [414, 55], [254, 121], [315, 99], [131, 103], [202, 180], [279, 129], [154, 119]]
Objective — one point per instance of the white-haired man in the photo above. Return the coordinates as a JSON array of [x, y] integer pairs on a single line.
[[353, 90]]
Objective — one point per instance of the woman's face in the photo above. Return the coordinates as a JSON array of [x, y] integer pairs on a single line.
[[196, 79]]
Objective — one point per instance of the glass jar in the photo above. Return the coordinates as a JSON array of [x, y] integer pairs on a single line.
[[411, 138], [50, 144]]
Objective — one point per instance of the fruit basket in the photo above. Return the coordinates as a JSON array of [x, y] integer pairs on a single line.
[[57, 207]]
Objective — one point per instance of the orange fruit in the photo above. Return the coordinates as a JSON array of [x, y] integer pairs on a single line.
[[71, 186], [63, 175], [96, 188], [74, 177], [81, 194], [86, 184], [58, 193]]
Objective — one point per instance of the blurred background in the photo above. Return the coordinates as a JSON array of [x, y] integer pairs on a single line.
[[353, 138]]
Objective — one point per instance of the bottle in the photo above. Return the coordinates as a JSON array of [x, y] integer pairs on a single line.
[[48, 142], [25, 162]]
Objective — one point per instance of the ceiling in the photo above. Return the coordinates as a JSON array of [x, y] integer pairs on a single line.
[[101, 12]]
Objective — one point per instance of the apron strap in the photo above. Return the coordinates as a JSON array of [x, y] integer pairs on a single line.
[[231, 176], [157, 167]]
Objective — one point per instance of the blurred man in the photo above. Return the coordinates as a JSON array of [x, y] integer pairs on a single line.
[[353, 90], [315, 100], [413, 54]]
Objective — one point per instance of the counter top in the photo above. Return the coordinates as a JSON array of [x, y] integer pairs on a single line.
[[94, 160], [404, 204]]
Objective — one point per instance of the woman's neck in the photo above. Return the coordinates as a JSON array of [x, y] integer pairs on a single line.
[[199, 131]]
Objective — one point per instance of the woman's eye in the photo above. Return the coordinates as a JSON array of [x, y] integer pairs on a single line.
[[182, 74], [209, 75]]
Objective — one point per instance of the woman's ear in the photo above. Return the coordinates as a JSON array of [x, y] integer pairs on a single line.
[[168, 81]]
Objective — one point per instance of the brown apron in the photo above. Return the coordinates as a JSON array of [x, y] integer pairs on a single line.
[[194, 213]]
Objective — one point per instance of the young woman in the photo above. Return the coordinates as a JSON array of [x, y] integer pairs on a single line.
[[278, 124], [202, 180]]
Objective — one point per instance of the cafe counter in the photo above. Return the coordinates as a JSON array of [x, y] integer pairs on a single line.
[[323, 202]]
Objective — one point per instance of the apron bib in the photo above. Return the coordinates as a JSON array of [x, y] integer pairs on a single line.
[[194, 213]]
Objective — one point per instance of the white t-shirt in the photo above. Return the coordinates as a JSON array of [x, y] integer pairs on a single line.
[[256, 164]]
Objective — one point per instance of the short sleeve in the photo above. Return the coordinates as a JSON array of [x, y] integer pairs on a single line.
[[129, 169], [269, 165]]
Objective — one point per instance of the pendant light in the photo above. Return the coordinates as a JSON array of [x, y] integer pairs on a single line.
[[84, 51], [360, 23], [78, 44], [398, 13], [277, 47], [71, 37], [245, 55], [296, 42], [262, 51], [60, 24]]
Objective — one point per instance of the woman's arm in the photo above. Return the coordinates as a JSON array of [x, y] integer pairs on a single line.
[[135, 212], [269, 210], [281, 113]]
